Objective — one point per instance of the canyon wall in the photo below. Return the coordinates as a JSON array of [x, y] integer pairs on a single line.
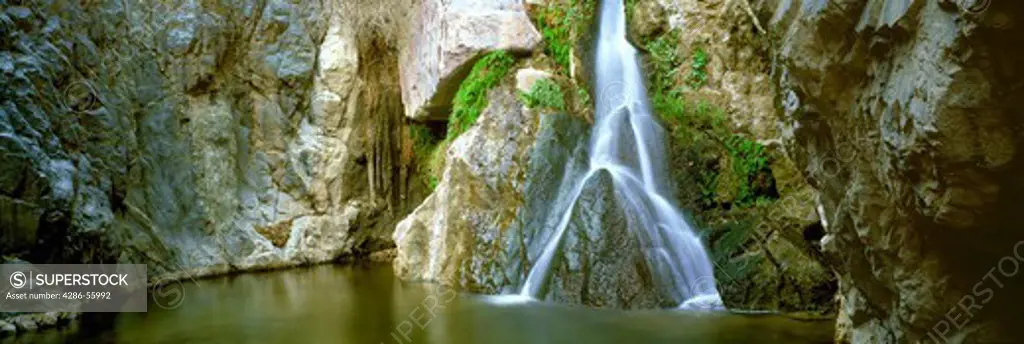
[[903, 115], [198, 138], [864, 146]]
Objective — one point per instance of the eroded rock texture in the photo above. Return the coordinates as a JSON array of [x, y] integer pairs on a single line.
[[195, 136], [905, 115], [766, 255], [497, 206], [446, 37]]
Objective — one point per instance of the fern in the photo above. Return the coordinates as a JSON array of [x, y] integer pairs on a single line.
[[544, 94], [698, 69]]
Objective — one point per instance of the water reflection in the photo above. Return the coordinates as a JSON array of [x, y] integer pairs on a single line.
[[365, 304]]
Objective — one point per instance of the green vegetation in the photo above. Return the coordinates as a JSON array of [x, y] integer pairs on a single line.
[[471, 99], [423, 139], [428, 146], [544, 94], [723, 168], [748, 161], [630, 6], [665, 65], [698, 69], [562, 25]]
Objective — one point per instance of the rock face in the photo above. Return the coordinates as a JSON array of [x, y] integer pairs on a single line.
[[197, 138], [904, 115], [601, 262], [766, 255], [461, 233], [447, 37], [490, 214]]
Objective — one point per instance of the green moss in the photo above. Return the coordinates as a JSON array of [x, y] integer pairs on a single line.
[[471, 99], [544, 94]]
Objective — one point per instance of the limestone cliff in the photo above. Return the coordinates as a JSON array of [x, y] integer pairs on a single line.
[[196, 137]]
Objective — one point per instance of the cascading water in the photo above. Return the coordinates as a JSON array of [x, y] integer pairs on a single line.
[[627, 143]]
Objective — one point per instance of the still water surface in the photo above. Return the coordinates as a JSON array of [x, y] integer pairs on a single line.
[[366, 304]]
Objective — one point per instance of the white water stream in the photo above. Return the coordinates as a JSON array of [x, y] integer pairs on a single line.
[[628, 144]]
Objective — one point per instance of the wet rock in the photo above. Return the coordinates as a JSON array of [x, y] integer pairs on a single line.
[[24, 324], [19, 222], [7, 329], [447, 38], [601, 263], [46, 320]]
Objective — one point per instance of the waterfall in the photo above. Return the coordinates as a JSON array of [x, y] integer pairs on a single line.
[[627, 143]]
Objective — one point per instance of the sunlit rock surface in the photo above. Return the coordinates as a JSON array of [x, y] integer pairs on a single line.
[[196, 138], [447, 36]]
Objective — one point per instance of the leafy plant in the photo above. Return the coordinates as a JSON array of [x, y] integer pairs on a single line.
[[699, 132], [666, 61], [748, 160], [561, 24], [471, 98], [698, 69], [544, 94]]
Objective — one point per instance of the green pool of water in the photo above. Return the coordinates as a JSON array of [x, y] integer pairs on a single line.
[[366, 304]]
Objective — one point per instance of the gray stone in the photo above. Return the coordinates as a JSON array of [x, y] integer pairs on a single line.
[[24, 323], [447, 37], [493, 206], [915, 156], [208, 140], [603, 262], [45, 320], [527, 77], [7, 329]]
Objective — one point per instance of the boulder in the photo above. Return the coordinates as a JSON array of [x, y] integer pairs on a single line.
[[494, 211], [7, 329], [600, 263], [24, 323], [447, 37]]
